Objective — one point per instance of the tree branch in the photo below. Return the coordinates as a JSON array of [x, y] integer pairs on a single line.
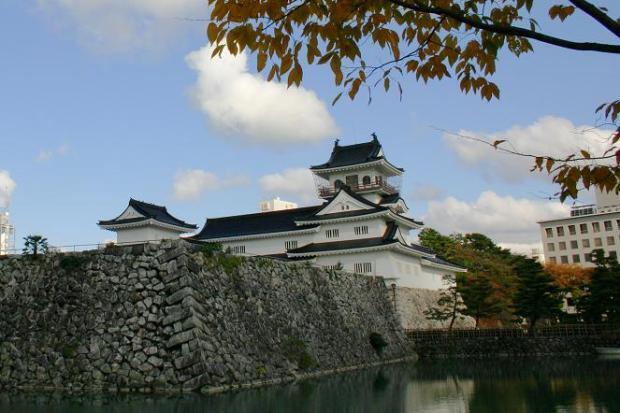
[[598, 15], [508, 30]]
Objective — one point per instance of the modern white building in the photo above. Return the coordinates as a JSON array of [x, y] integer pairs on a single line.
[[361, 226], [7, 233], [276, 204], [142, 222], [570, 240]]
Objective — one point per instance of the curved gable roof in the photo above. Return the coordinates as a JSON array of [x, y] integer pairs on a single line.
[[149, 211], [353, 154]]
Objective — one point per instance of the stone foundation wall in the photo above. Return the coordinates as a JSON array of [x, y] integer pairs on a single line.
[[169, 317], [411, 304]]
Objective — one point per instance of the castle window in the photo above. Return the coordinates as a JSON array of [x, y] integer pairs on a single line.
[[366, 180], [363, 267], [338, 184], [290, 245], [352, 180], [361, 230], [332, 233], [238, 249]]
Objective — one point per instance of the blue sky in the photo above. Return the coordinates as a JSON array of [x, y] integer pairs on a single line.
[[90, 117]]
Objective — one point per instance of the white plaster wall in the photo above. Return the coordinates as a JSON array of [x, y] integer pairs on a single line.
[[407, 270], [267, 246], [142, 234]]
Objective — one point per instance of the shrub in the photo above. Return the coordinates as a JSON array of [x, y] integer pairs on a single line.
[[72, 262], [377, 342], [211, 248], [230, 263], [295, 351]]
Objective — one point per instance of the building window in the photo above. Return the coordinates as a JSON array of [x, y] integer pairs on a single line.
[[560, 231], [611, 241], [583, 228], [585, 243], [366, 180], [352, 180], [576, 259], [551, 246], [363, 267], [333, 266], [238, 249], [338, 184], [572, 230], [332, 233], [574, 245], [552, 260], [564, 259], [549, 232], [608, 226], [587, 257], [613, 255], [562, 245], [618, 223], [598, 242], [361, 230], [290, 245], [596, 227]]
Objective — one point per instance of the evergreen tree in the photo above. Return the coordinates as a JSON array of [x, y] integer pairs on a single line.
[[537, 296], [478, 294], [449, 306], [602, 302], [34, 245]]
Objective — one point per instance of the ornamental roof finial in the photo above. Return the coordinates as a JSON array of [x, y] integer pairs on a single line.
[[374, 137], [336, 142]]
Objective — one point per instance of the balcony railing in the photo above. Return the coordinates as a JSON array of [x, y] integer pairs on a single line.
[[326, 191]]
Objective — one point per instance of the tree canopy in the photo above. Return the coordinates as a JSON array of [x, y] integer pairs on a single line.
[[426, 39]]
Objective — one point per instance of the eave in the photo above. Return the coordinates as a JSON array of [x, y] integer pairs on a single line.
[[259, 236], [380, 162], [144, 223]]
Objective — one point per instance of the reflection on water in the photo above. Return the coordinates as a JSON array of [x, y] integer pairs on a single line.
[[511, 385]]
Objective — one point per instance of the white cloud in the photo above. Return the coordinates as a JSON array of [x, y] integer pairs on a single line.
[[426, 193], [192, 184], [245, 105], [295, 182], [47, 154], [7, 186], [503, 218], [549, 135], [126, 25]]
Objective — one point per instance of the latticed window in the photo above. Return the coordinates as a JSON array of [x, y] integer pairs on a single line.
[[332, 233], [238, 249], [290, 245], [361, 230], [363, 267]]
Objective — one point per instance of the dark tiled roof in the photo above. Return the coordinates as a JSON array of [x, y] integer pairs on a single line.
[[390, 199], [352, 154], [421, 249], [254, 224], [150, 211], [441, 261]]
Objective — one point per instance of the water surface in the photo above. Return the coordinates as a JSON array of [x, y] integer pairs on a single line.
[[508, 385]]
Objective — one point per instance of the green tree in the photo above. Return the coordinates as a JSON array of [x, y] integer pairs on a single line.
[[449, 305], [537, 296], [602, 300], [378, 43], [34, 245], [478, 295]]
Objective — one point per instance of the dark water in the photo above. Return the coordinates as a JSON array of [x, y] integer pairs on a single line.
[[518, 385]]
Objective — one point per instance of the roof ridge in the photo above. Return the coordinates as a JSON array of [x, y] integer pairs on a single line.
[[132, 200]]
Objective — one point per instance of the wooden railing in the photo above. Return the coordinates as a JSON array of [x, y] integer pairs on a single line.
[[331, 190]]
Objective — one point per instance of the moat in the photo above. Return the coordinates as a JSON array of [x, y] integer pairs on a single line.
[[504, 385]]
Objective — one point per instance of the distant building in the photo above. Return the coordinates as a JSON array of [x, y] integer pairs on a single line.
[[276, 204], [7, 233], [570, 240], [360, 227], [141, 222], [537, 254]]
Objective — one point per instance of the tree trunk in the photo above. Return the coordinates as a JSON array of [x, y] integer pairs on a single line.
[[530, 330]]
